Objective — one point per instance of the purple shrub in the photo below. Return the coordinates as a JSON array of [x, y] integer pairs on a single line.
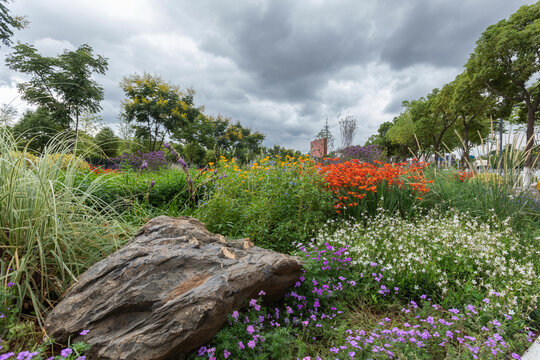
[[367, 153], [151, 161]]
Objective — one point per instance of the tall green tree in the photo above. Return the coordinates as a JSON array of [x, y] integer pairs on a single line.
[[382, 141], [156, 108], [507, 61], [8, 23], [63, 85], [36, 129], [472, 106], [107, 141], [401, 135], [434, 121]]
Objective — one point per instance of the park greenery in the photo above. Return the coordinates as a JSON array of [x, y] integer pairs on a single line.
[[402, 259], [499, 81]]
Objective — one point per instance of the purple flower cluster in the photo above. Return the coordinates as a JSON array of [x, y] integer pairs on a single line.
[[422, 326], [140, 161], [367, 153], [27, 355]]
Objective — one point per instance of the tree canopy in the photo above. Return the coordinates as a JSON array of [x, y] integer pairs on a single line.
[[156, 108], [507, 61], [63, 85], [8, 23]]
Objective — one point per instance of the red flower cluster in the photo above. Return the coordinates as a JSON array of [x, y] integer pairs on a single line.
[[354, 180], [100, 171], [464, 175]]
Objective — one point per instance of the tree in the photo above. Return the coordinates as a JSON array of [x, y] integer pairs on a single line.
[[63, 84], [472, 106], [326, 133], [433, 120], [7, 115], [107, 141], [8, 23], [401, 135], [217, 133], [506, 60], [381, 140], [156, 107], [36, 129]]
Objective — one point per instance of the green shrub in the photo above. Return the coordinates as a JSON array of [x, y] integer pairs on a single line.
[[276, 203]]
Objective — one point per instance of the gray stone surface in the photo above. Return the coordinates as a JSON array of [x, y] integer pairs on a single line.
[[168, 291], [533, 353]]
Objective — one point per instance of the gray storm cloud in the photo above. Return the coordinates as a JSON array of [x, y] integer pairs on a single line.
[[280, 67]]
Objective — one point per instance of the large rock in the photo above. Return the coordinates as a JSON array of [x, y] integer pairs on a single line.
[[168, 291]]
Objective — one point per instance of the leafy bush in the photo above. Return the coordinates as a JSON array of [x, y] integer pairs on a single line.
[[275, 202]]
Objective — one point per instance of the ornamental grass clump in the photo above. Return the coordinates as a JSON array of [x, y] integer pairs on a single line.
[[50, 230]]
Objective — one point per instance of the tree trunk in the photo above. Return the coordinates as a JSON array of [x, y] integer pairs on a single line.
[[530, 136], [466, 147]]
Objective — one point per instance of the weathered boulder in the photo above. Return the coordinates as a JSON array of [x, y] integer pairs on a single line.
[[168, 291]]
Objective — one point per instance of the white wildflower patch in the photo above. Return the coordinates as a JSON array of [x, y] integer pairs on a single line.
[[444, 254]]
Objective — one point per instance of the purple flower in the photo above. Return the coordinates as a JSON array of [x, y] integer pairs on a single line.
[[251, 344], [6, 356], [202, 350], [84, 332], [10, 284], [235, 315], [226, 353], [250, 329], [516, 356], [241, 345], [66, 352]]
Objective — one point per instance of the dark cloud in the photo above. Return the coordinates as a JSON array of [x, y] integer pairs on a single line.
[[439, 32], [277, 66]]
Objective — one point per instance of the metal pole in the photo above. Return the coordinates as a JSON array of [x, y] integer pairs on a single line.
[[500, 144]]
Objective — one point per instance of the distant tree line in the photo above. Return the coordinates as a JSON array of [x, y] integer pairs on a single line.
[[67, 99]]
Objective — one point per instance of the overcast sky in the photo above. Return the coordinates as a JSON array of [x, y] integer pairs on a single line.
[[278, 67]]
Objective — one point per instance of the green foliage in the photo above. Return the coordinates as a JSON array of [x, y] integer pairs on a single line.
[[506, 60], [326, 133], [128, 188], [63, 84], [36, 129], [8, 23], [156, 107], [275, 204], [107, 141], [217, 133], [480, 198]]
